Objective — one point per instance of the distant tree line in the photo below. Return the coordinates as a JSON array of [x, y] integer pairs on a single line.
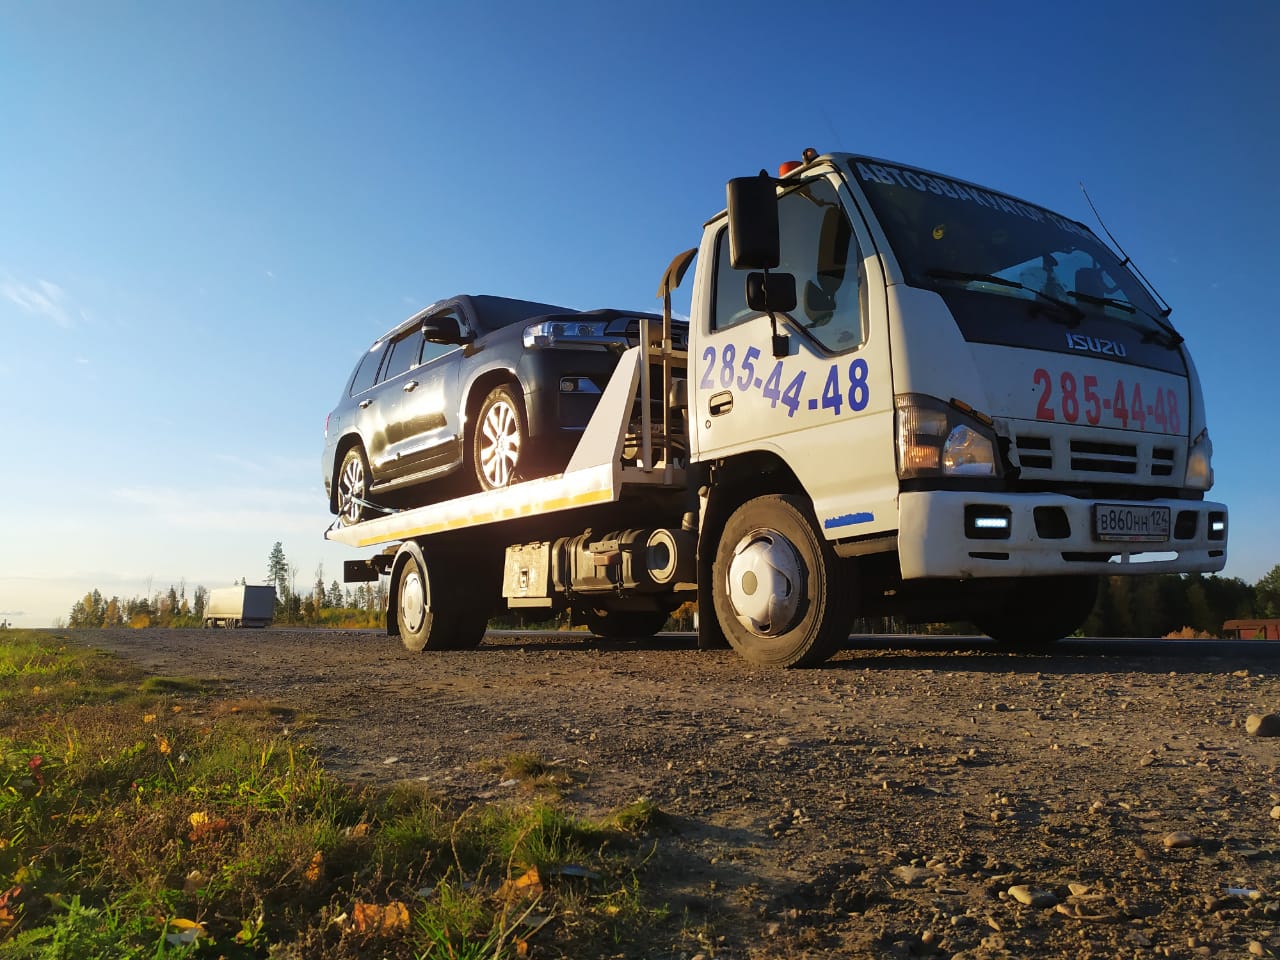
[[328, 606]]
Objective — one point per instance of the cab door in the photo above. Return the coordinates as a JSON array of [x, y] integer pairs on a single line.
[[825, 405]]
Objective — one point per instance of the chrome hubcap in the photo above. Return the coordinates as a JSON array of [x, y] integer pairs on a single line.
[[500, 444], [766, 583], [413, 602]]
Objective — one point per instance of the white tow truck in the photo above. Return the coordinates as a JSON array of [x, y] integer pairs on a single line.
[[903, 395]]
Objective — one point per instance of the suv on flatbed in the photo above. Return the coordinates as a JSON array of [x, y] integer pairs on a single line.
[[486, 389]]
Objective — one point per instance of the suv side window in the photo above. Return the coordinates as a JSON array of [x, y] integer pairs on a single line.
[[404, 354], [821, 252], [367, 370]]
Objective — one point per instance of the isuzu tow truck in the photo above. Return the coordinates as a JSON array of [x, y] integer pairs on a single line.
[[902, 394]]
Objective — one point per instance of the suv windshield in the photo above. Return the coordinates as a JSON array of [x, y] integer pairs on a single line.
[[947, 233]]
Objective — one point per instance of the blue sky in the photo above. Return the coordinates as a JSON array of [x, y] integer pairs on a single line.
[[207, 210]]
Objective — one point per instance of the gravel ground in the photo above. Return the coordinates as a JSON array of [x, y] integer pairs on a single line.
[[911, 798]]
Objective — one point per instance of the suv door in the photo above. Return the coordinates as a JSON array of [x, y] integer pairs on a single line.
[[428, 434], [379, 416]]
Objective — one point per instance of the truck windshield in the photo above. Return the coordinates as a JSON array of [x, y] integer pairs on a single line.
[[947, 234]]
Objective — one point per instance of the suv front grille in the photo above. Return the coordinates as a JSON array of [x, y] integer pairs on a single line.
[[679, 333]]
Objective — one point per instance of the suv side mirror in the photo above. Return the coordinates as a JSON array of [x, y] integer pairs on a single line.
[[753, 223], [443, 329]]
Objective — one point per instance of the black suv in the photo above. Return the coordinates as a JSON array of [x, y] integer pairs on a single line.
[[487, 389]]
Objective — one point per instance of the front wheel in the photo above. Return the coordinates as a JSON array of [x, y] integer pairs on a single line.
[[499, 447], [1038, 611], [782, 596]]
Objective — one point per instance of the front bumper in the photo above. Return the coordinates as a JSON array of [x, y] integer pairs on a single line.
[[1047, 534]]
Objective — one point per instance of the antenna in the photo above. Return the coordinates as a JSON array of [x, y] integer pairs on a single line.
[[1127, 261]]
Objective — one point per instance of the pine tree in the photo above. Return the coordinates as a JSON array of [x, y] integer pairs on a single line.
[[1267, 592]]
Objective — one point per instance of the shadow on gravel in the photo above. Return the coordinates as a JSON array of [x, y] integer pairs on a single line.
[[958, 653], [1073, 656]]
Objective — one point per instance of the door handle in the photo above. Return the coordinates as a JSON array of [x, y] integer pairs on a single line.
[[410, 386], [365, 403], [721, 403]]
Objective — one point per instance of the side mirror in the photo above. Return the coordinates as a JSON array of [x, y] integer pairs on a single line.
[[771, 292], [443, 329], [753, 223]]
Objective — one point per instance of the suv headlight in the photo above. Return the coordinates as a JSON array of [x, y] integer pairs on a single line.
[[1200, 462], [937, 439], [552, 333]]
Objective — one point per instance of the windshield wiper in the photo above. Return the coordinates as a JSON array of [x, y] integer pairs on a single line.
[[1103, 301], [982, 277], [1074, 313], [1165, 334]]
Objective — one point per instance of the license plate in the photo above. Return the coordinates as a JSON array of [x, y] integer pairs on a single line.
[[1117, 521]]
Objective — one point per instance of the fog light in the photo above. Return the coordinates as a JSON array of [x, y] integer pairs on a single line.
[[1217, 526], [987, 522], [578, 385]]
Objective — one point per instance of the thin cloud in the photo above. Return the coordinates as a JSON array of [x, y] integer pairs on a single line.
[[45, 299]]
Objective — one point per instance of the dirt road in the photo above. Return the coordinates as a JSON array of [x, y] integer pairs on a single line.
[[904, 800]]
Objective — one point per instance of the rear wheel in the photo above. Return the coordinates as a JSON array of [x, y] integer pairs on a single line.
[[781, 595], [445, 608], [421, 607], [1039, 611], [621, 624], [499, 446], [353, 487]]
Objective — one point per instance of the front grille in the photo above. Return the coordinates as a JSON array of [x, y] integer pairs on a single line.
[[1059, 456], [679, 333]]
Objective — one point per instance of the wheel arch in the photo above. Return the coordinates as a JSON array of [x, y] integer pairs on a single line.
[[479, 388], [345, 443], [737, 479]]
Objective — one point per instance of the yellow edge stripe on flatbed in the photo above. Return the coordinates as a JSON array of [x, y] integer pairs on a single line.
[[492, 516]]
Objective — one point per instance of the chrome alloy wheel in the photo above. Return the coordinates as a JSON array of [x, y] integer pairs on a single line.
[[352, 488], [500, 444]]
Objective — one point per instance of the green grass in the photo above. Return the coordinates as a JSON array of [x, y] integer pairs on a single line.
[[144, 817]]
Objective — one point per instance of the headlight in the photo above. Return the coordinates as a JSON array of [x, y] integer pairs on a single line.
[[550, 333], [935, 439], [1200, 463]]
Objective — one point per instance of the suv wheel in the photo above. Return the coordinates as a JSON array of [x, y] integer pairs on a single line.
[[499, 445], [353, 487]]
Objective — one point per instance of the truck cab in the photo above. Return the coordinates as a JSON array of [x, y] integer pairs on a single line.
[[971, 388]]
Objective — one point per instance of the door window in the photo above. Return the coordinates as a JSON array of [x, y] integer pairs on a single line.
[[404, 354], [821, 252]]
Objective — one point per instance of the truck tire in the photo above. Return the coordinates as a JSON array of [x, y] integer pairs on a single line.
[[1039, 611], [624, 624], [422, 606], [499, 447], [782, 596], [352, 486], [442, 606]]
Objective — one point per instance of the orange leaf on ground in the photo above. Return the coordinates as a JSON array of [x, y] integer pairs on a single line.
[[374, 919], [315, 868], [528, 884]]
